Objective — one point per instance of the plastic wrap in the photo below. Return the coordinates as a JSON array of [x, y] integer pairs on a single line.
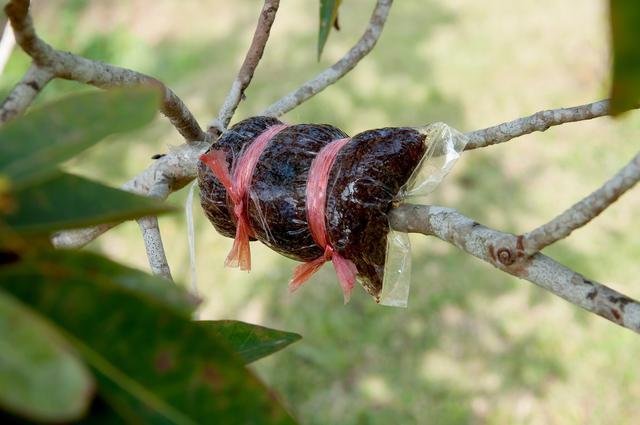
[[444, 145], [359, 182]]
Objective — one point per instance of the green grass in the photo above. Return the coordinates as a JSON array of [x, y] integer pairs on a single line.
[[475, 346]]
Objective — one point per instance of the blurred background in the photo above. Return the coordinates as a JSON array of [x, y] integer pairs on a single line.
[[475, 346]]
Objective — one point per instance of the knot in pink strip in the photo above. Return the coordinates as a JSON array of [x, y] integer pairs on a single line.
[[237, 183], [316, 208]]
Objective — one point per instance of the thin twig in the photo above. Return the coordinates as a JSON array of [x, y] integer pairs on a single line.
[[155, 249], [540, 121], [151, 232], [18, 13], [73, 67], [340, 68], [23, 93], [254, 54], [505, 252], [584, 211], [77, 238]]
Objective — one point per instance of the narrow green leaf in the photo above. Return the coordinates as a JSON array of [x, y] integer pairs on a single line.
[[147, 356], [625, 37], [328, 19], [32, 146], [40, 377], [67, 201], [252, 342], [132, 400]]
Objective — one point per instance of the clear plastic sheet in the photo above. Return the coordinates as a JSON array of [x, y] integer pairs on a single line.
[[444, 145]]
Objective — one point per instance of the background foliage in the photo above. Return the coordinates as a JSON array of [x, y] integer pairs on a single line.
[[475, 346]]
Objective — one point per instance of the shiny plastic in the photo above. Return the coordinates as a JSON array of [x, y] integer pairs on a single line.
[[444, 147]]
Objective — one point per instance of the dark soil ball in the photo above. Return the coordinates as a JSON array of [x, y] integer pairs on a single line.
[[213, 195], [278, 191], [367, 175]]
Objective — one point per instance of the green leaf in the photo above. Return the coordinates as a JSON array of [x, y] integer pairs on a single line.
[[252, 342], [151, 361], [68, 201], [328, 19], [625, 37], [32, 146], [40, 377], [153, 288]]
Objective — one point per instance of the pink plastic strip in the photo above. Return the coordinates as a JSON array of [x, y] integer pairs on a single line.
[[316, 209], [237, 183]]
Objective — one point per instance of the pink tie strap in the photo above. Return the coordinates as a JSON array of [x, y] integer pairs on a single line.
[[237, 183], [316, 207]]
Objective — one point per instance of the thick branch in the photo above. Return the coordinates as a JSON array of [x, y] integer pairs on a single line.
[[24, 92], [584, 211], [340, 68], [72, 67], [254, 54], [505, 251], [540, 121]]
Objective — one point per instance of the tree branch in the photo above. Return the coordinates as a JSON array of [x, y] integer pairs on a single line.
[[154, 247], [164, 176], [18, 13], [77, 238], [584, 211], [340, 68], [540, 121], [23, 93], [151, 231], [505, 252], [251, 60], [73, 67]]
